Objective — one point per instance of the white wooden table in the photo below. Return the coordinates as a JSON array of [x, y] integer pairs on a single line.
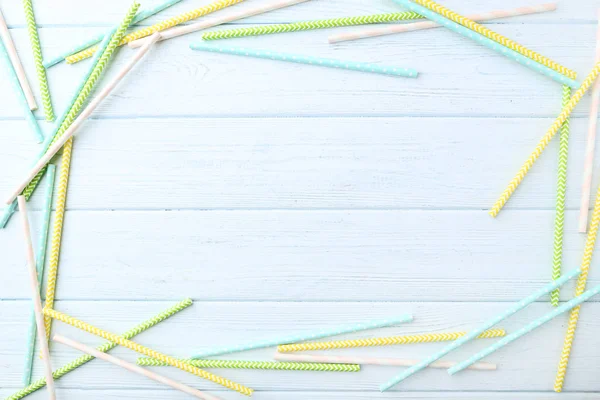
[[282, 198]]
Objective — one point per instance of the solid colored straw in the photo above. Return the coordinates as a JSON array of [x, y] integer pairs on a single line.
[[263, 365], [59, 373], [215, 21], [561, 191], [14, 80], [384, 341], [513, 55], [511, 44], [300, 59], [16, 63], [304, 336], [556, 125], [526, 329], [141, 16], [85, 114], [147, 351], [134, 368], [37, 299], [40, 261], [482, 328], [311, 25], [63, 179], [37, 57], [161, 26], [588, 167], [396, 362], [579, 289], [388, 30]]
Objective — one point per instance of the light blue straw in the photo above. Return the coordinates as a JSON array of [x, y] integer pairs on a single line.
[[526, 329], [300, 59], [10, 210], [305, 336], [142, 15], [513, 55], [40, 263], [478, 331], [14, 80]]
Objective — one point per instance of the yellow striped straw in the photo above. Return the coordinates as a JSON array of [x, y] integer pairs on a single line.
[[184, 366], [556, 125], [580, 288], [385, 341], [158, 27], [474, 26]]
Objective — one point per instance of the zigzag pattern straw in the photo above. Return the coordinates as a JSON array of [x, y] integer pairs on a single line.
[[268, 365], [59, 373], [385, 341], [161, 26], [147, 351], [474, 26], [561, 190], [310, 25], [66, 160], [581, 284], [556, 125], [37, 56]]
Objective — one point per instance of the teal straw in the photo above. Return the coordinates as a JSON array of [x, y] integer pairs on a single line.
[[40, 263], [305, 336], [479, 330], [525, 330], [142, 15]]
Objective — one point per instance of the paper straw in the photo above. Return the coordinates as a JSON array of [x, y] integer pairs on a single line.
[[513, 55], [588, 251], [161, 26], [301, 59], [85, 114], [41, 260], [561, 191], [451, 15], [63, 181], [396, 362], [37, 57], [262, 365], [556, 125], [209, 23], [388, 30], [311, 25], [16, 63], [485, 326], [37, 299], [588, 167], [133, 368], [525, 330], [59, 373], [121, 341], [14, 80], [384, 341], [141, 16], [304, 336]]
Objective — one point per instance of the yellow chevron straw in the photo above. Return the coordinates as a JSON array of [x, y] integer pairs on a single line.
[[147, 351], [474, 26], [556, 125], [161, 26], [580, 288], [385, 341]]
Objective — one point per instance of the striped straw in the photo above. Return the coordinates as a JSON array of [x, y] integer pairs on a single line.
[[301, 59], [263, 365], [304, 336]]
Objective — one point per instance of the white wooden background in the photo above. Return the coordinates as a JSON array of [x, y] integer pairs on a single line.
[[282, 198]]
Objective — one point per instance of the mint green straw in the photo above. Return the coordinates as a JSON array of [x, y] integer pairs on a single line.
[[264, 365], [40, 263], [311, 25]]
